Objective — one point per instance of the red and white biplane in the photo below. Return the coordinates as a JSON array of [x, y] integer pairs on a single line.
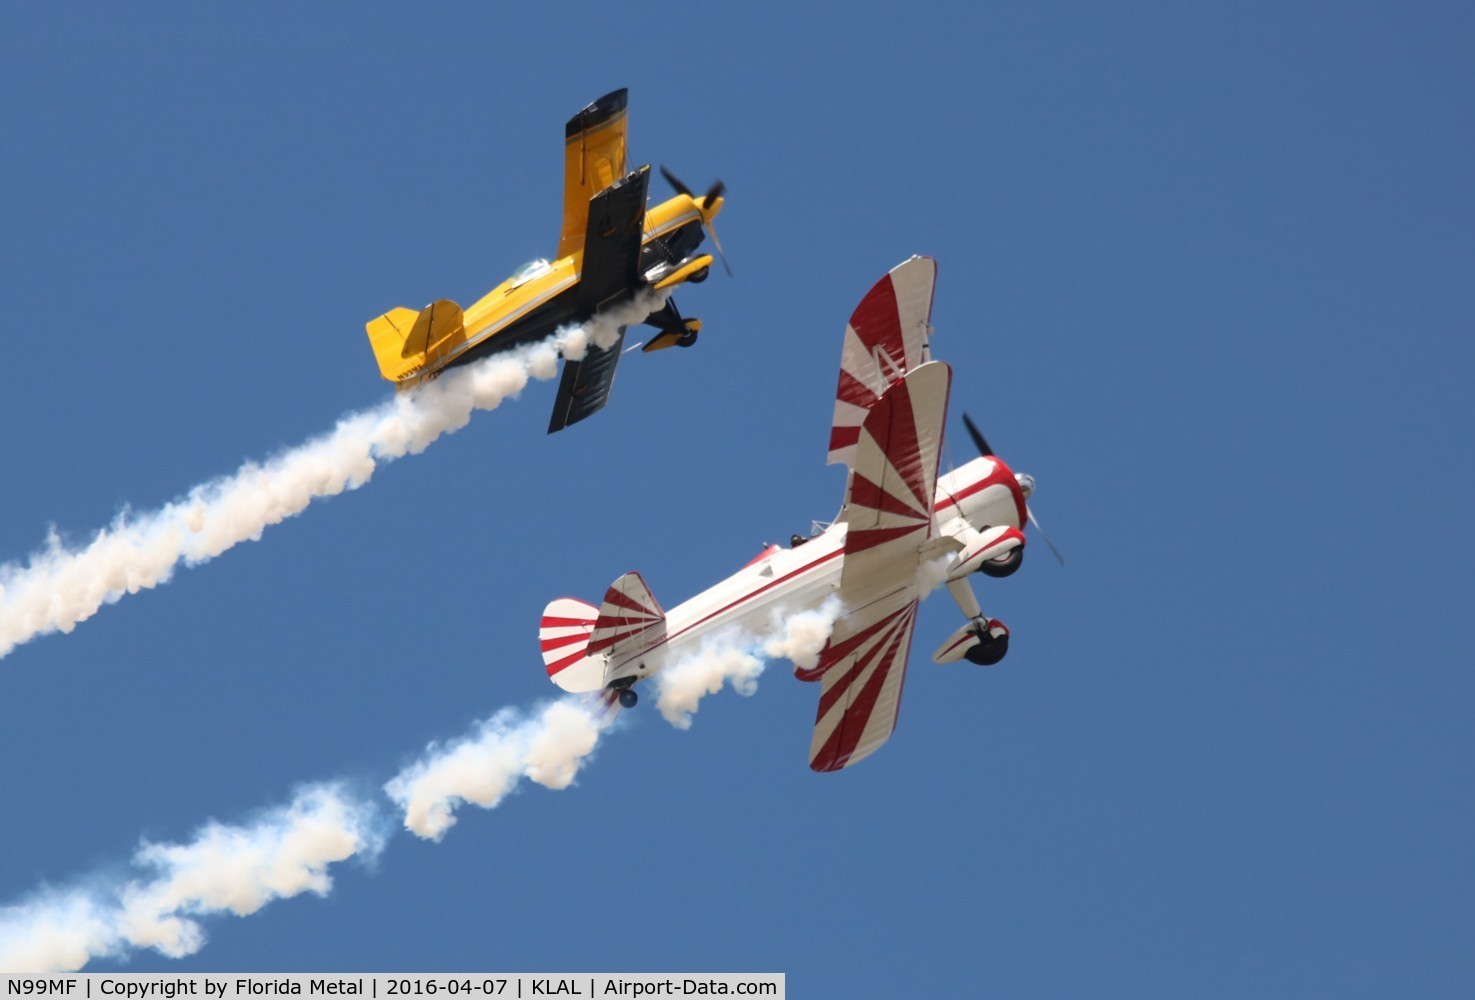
[[902, 531]]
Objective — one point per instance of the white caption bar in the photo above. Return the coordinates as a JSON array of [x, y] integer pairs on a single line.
[[386, 986]]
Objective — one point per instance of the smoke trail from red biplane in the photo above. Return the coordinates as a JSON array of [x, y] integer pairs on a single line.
[[737, 659], [550, 745], [60, 587], [224, 869], [287, 851]]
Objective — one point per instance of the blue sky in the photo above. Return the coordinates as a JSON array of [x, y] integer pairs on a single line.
[[1204, 273]]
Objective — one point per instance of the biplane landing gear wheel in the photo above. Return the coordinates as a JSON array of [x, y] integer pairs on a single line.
[[697, 277], [628, 698], [1003, 566], [687, 339], [989, 650]]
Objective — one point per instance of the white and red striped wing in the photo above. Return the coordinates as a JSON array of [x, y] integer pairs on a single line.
[[862, 677], [894, 479], [888, 508], [885, 338], [563, 635], [629, 616]]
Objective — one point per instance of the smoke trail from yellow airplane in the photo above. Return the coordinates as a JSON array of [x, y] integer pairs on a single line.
[[60, 587], [288, 850]]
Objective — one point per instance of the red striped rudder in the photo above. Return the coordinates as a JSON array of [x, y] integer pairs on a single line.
[[630, 618]]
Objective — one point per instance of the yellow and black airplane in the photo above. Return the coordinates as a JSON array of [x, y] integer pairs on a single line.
[[610, 249]]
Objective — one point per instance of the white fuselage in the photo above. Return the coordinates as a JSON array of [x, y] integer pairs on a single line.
[[782, 582]]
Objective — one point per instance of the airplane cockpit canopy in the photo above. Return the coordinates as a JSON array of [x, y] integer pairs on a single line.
[[532, 269]]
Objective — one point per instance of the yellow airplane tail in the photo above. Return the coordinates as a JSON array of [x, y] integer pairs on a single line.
[[409, 343]]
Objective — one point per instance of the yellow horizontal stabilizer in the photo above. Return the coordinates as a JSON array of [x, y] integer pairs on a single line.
[[407, 342]]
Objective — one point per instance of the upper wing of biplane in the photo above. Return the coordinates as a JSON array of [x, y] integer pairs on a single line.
[[593, 159], [886, 338], [611, 270], [889, 509], [893, 481]]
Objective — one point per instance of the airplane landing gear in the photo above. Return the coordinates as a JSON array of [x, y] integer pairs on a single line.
[[697, 277], [628, 698], [1005, 565], [993, 644]]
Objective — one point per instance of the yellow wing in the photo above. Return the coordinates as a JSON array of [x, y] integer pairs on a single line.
[[593, 159]]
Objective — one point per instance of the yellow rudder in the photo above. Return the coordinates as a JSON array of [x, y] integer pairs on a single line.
[[406, 342]]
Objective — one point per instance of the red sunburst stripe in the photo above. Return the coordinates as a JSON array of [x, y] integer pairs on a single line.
[[855, 392], [896, 625], [869, 538], [566, 622], [833, 653], [858, 667], [621, 621], [844, 437], [619, 600], [844, 741], [548, 645], [896, 423], [867, 494], [606, 641], [567, 661], [877, 320]]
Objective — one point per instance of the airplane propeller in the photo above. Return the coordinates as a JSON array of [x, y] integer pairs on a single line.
[[704, 203], [981, 443]]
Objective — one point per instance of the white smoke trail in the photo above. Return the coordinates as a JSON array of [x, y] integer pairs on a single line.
[[551, 744], [60, 587], [733, 657], [548, 747], [224, 869], [239, 869]]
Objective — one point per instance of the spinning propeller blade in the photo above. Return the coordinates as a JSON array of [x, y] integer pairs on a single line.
[[717, 244], [705, 202], [675, 182], [1036, 522], [981, 443]]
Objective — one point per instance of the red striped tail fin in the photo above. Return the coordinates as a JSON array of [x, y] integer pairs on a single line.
[[563, 635], [630, 621]]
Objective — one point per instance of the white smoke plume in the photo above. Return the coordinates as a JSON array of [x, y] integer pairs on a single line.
[[287, 851], [224, 869], [737, 658], [548, 747], [60, 587]]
